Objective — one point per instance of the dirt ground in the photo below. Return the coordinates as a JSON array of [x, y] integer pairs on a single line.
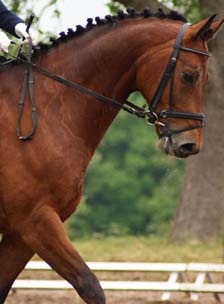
[[113, 297], [69, 297]]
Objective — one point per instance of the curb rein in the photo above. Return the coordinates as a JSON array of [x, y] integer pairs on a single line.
[[151, 116], [28, 83]]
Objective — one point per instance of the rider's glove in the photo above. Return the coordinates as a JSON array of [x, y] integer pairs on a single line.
[[4, 42], [20, 30]]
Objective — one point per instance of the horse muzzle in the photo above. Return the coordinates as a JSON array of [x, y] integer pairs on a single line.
[[175, 146]]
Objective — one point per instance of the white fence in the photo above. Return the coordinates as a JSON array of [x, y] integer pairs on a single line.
[[177, 281]]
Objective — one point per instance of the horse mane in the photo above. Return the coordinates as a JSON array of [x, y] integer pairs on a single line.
[[109, 19]]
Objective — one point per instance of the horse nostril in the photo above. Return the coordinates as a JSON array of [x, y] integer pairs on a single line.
[[188, 149]]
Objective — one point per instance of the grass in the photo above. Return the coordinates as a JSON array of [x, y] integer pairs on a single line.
[[143, 249]]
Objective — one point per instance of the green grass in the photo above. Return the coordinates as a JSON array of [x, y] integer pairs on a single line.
[[150, 249]]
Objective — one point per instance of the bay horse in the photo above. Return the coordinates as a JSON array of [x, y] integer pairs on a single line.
[[41, 180]]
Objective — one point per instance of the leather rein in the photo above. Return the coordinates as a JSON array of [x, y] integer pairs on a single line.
[[150, 115]]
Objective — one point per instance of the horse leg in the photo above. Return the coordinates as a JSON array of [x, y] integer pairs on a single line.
[[14, 255], [45, 234]]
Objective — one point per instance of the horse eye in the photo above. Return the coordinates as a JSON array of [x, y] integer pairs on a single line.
[[190, 78]]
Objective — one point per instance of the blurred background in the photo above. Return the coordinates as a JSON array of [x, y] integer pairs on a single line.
[[134, 195]]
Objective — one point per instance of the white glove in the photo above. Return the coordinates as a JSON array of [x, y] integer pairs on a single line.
[[20, 30], [4, 42]]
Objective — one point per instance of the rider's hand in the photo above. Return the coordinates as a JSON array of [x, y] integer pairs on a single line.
[[20, 30], [4, 42]]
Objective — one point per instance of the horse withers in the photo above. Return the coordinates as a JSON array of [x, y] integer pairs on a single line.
[[41, 180]]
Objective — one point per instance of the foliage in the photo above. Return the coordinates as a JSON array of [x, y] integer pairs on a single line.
[[130, 186], [115, 6], [189, 8]]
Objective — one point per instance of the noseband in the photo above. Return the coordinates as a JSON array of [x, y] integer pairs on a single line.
[[154, 117], [150, 115]]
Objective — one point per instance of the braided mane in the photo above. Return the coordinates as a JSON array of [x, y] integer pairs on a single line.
[[109, 19]]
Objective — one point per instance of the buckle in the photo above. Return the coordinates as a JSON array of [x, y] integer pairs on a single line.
[[163, 114], [151, 117]]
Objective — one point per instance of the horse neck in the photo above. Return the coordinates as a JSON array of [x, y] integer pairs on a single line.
[[105, 61]]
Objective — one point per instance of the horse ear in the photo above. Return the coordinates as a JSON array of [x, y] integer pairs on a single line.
[[214, 28], [206, 29]]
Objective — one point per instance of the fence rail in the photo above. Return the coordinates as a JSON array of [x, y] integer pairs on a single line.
[[177, 281]]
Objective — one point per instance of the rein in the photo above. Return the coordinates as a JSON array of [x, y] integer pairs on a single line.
[[151, 116], [127, 106], [28, 84]]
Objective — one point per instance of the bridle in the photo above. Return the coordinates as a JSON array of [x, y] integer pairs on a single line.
[[169, 76], [150, 115]]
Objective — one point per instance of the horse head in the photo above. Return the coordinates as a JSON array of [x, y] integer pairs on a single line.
[[175, 98]]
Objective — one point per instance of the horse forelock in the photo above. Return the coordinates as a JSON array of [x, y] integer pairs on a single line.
[[108, 20]]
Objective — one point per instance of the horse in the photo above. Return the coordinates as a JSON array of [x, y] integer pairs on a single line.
[[41, 180]]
